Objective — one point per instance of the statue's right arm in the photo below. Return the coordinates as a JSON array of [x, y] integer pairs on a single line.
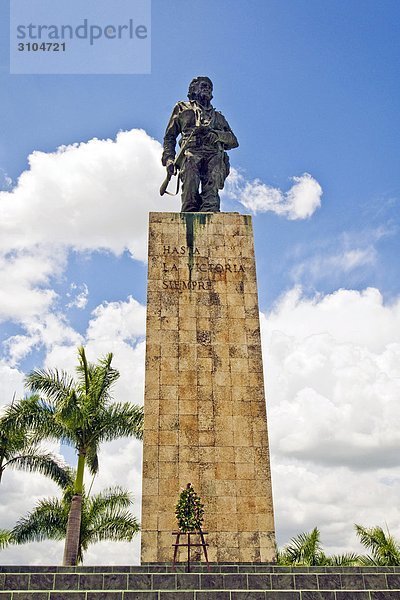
[[171, 133]]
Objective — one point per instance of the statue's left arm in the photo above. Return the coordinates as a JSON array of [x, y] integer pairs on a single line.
[[225, 133]]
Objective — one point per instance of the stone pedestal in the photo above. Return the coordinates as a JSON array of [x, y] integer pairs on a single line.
[[205, 419]]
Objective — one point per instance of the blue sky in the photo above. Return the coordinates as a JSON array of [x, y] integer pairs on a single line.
[[308, 86]]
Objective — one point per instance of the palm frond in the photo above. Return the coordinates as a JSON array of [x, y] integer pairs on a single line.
[[105, 516], [92, 459], [110, 499], [70, 412], [5, 538], [348, 559], [120, 526], [84, 369], [282, 558], [44, 463], [47, 521], [103, 377], [55, 385], [8, 428], [33, 414], [121, 420], [12, 440], [385, 549], [368, 561], [305, 549], [19, 442]]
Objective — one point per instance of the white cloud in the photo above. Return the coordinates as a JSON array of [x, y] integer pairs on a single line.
[[85, 197], [24, 282], [92, 196], [347, 258], [120, 329], [345, 261], [117, 327], [88, 196], [118, 320], [80, 298], [350, 316], [327, 265], [48, 330], [299, 202], [11, 384], [333, 499], [355, 258], [5, 181], [333, 383]]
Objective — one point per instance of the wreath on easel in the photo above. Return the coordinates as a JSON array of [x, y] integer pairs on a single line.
[[189, 511]]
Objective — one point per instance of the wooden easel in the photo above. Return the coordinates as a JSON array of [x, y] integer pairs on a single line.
[[203, 544]]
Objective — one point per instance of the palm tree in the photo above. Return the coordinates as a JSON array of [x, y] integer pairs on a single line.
[[384, 548], [79, 413], [5, 538], [105, 516], [20, 450], [306, 550]]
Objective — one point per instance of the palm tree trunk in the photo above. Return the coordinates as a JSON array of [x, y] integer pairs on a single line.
[[73, 534]]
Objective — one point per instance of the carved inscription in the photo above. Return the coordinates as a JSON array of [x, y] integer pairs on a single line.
[[205, 268], [180, 250], [196, 264], [174, 284]]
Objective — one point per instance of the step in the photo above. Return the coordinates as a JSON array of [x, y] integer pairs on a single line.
[[204, 595], [239, 581], [196, 567]]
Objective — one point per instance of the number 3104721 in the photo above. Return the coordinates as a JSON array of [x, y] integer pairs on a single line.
[[43, 47]]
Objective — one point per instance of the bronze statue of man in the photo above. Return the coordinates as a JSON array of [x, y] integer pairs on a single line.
[[202, 161]]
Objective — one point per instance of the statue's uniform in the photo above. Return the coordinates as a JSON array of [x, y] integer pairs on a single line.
[[205, 161]]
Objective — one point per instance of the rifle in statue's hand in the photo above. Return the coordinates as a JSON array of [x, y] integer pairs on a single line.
[[177, 165], [164, 185]]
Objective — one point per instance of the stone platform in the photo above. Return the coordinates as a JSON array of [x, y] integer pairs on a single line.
[[251, 581]]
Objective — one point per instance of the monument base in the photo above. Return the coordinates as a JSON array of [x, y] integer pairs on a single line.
[[205, 419]]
